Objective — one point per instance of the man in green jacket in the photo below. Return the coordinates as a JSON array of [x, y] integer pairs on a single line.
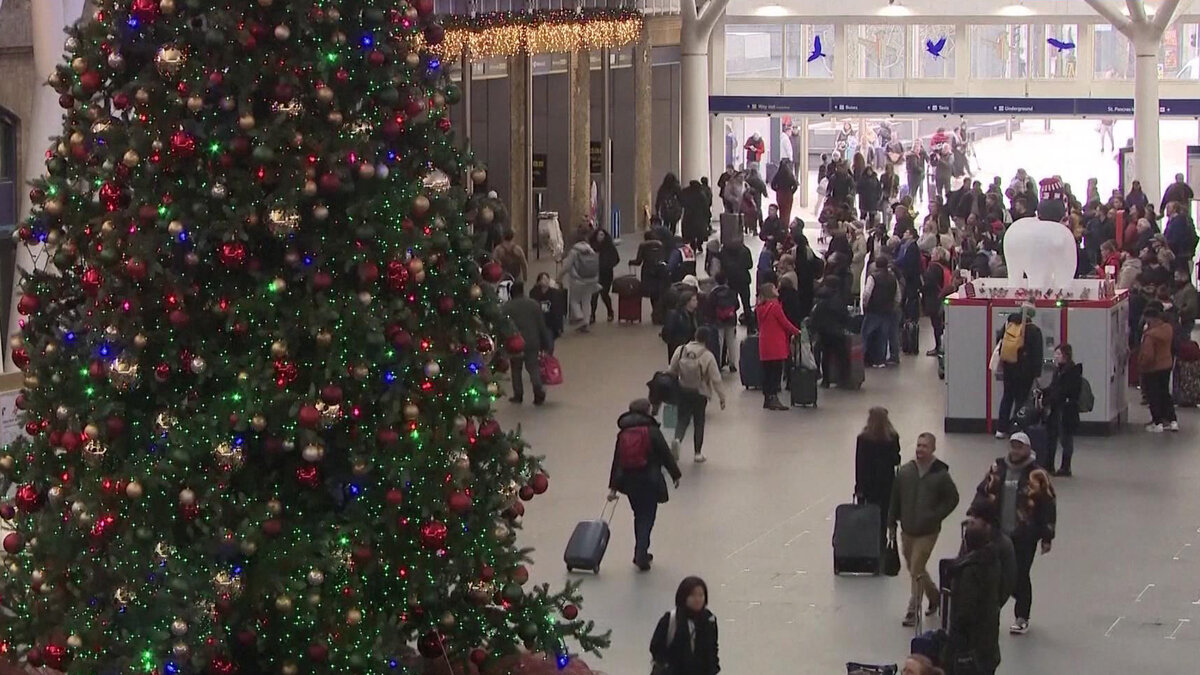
[[923, 495]]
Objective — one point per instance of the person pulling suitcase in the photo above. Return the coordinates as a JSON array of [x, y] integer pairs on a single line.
[[640, 456]]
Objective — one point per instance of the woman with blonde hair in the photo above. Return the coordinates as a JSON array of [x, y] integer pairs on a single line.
[[919, 664], [774, 334], [876, 456]]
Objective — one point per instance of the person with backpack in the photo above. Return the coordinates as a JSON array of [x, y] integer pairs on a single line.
[[937, 283], [685, 639], [511, 257], [668, 203], [699, 378], [1020, 351], [736, 264], [973, 639], [581, 277], [681, 323], [640, 456], [1180, 234], [723, 301], [1062, 397]]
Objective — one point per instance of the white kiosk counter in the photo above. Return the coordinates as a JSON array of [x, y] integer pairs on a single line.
[[1086, 313]]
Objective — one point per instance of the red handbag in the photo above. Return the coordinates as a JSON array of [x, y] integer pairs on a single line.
[[550, 369]]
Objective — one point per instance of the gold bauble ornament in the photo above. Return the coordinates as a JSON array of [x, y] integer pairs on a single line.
[[134, 490], [282, 32], [169, 60], [313, 452], [324, 338], [412, 59], [354, 616], [53, 206], [411, 411], [420, 205], [361, 372], [175, 228], [512, 457], [487, 215], [140, 340], [315, 577], [142, 96], [289, 668], [279, 349], [274, 507], [195, 103], [284, 603], [248, 547], [335, 118], [258, 422], [448, 620], [475, 292], [436, 181], [324, 94], [7, 463], [246, 122], [310, 188], [76, 138], [478, 176], [166, 6], [79, 64], [179, 628]]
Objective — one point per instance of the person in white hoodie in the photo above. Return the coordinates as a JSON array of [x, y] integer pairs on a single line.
[[699, 378], [580, 275]]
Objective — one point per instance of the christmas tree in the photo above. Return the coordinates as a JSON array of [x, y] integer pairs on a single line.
[[258, 370]]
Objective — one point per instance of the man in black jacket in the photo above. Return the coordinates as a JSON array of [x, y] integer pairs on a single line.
[[640, 456], [736, 264], [529, 319]]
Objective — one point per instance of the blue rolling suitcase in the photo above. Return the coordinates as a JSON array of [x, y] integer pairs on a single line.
[[588, 542]]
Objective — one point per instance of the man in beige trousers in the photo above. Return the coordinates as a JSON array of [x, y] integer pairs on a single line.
[[923, 496]]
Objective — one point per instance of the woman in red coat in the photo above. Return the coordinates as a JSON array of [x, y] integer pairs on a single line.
[[774, 334]]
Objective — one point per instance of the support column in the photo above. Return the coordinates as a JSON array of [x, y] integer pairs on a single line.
[[520, 144], [579, 137], [1147, 165], [47, 18], [801, 163], [643, 97], [695, 31], [605, 215]]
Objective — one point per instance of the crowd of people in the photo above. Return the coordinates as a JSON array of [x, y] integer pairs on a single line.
[[889, 262]]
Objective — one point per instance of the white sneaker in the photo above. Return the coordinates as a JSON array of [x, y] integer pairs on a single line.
[[1173, 426], [1001, 435], [700, 458], [1154, 428]]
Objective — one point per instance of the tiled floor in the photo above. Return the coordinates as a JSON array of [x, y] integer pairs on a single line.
[[1120, 593]]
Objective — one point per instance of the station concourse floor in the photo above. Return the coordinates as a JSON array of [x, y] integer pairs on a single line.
[[1119, 593]]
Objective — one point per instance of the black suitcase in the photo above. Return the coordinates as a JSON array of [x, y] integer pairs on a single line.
[[802, 385], [856, 542], [910, 337], [588, 543], [749, 365]]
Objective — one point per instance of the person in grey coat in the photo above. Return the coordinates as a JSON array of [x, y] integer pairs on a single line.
[[527, 315], [581, 277]]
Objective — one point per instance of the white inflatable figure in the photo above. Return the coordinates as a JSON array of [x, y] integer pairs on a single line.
[[1041, 251]]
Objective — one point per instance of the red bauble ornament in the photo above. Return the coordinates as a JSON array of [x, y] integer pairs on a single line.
[[183, 145], [272, 527], [240, 145], [399, 337], [526, 493], [144, 10], [34, 657], [120, 100], [135, 269], [331, 394], [376, 58], [20, 357], [247, 637], [90, 281], [520, 574], [397, 275], [434, 34], [423, 7], [318, 652], [394, 497], [492, 272], [478, 656], [322, 281], [459, 502], [54, 654], [433, 534], [430, 645], [216, 78], [540, 483], [70, 441], [28, 498], [515, 344], [233, 253], [329, 183], [112, 196], [489, 429], [515, 511], [388, 437], [147, 212], [308, 476], [368, 273], [484, 344], [308, 416], [445, 304], [413, 107], [115, 427], [391, 129], [570, 612], [444, 124], [66, 101], [13, 543], [90, 81], [28, 304], [162, 371], [487, 573], [179, 318]]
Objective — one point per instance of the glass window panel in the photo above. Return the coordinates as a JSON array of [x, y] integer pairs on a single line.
[[999, 52], [754, 50], [1047, 61], [876, 52], [1178, 57], [929, 59], [801, 40], [1113, 54]]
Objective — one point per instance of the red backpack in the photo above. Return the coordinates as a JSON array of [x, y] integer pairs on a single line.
[[633, 448]]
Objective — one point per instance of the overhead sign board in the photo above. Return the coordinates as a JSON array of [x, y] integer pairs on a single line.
[[897, 105]]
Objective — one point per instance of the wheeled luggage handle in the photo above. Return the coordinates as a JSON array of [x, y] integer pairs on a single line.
[[605, 508]]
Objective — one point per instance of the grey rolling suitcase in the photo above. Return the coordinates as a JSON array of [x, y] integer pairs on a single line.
[[802, 386], [856, 545], [588, 543]]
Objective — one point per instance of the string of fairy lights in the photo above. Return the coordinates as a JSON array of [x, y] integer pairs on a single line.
[[500, 34]]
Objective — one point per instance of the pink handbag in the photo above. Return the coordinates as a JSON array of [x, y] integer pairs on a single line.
[[551, 369]]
